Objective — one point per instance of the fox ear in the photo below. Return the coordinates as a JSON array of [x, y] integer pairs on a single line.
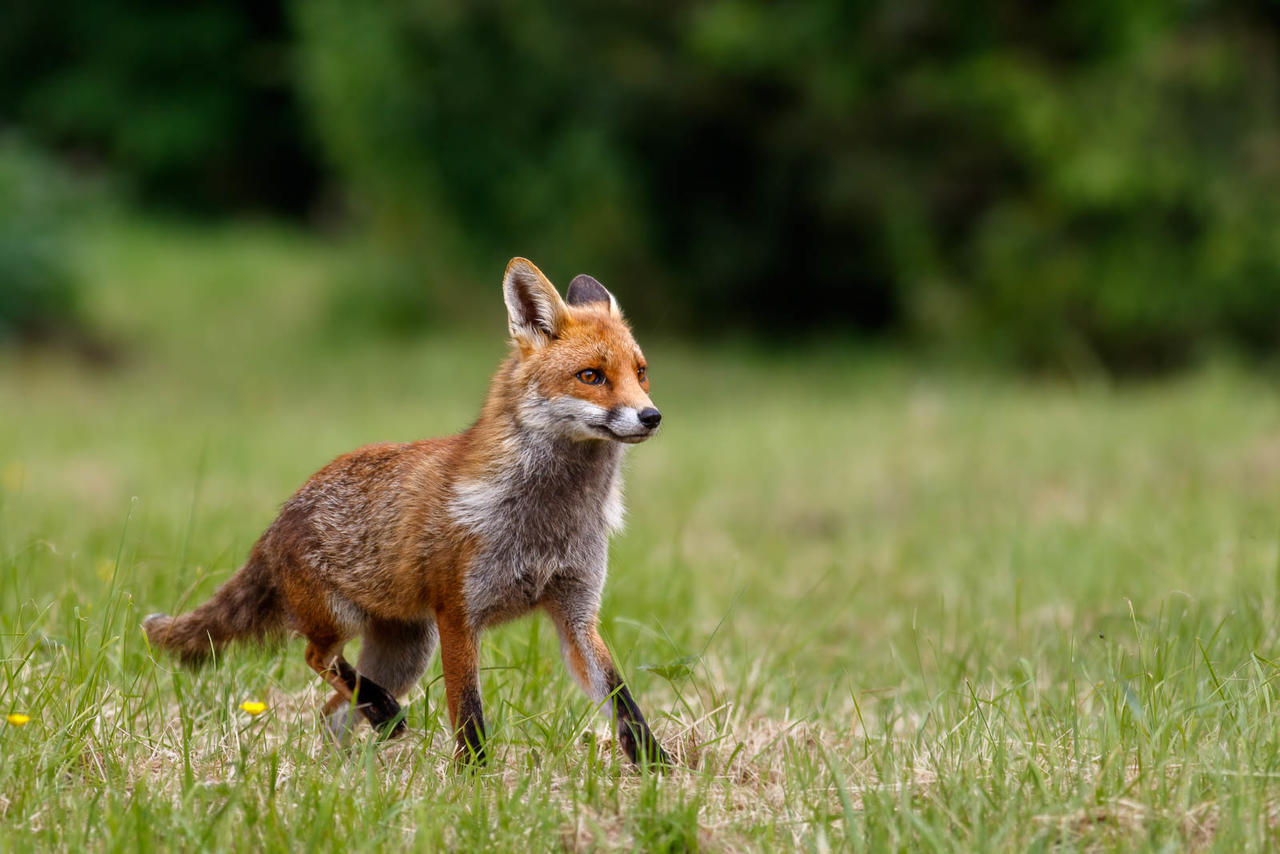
[[585, 289], [535, 312]]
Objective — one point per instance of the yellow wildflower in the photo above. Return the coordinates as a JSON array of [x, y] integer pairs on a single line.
[[254, 707], [106, 567], [17, 719]]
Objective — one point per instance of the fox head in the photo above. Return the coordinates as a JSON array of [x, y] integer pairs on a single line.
[[578, 373]]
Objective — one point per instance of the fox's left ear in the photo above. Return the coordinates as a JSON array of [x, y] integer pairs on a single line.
[[585, 289], [535, 313]]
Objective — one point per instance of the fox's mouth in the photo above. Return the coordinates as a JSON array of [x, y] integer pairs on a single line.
[[628, 438]]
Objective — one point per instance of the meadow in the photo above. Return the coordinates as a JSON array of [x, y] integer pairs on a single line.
[[871, 602]]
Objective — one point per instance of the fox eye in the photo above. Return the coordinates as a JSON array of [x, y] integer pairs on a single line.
[[641, 372], [591, 376]]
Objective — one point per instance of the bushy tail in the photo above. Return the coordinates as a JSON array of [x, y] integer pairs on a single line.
[[246, 607]]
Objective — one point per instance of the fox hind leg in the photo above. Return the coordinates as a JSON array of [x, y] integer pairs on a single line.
[[372, 700], [393, 655], [328, 621]]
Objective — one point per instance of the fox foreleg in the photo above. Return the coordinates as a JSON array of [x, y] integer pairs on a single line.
[[588, 659], [460, 660]]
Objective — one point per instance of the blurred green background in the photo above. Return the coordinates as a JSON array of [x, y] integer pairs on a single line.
[[960, 533], [1065, 187]]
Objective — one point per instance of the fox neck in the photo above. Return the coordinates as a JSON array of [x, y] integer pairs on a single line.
[[541, 505], [573, 474]]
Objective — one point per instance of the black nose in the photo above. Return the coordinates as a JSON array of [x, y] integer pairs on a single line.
[[649, 417]]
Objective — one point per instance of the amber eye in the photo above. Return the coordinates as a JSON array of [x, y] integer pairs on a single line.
[[641, 372], [591, 376]]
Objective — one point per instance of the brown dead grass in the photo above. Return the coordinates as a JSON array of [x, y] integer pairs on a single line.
[[743, 759]]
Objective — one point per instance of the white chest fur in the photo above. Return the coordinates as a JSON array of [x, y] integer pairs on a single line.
[[547, 514]]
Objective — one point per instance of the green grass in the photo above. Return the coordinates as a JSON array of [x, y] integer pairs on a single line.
[[874, 604]]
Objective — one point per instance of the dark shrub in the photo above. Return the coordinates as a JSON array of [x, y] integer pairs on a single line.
[[1061, 181], [37, 288]]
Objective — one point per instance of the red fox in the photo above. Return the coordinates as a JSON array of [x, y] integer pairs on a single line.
[[402, 544]]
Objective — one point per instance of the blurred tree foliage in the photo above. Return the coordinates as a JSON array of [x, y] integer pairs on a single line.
[[38, 296], [1069, 181], [192, 104]]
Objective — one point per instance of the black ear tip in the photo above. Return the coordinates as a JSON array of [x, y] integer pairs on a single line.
[[585, 289]]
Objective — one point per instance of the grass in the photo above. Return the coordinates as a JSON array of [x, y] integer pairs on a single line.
[[872, 603]]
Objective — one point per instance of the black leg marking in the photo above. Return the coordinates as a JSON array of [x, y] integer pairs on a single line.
[[373, 701], [637, 740], [471, 735]]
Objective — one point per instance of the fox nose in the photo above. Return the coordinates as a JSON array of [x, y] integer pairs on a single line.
[[649, 417]]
